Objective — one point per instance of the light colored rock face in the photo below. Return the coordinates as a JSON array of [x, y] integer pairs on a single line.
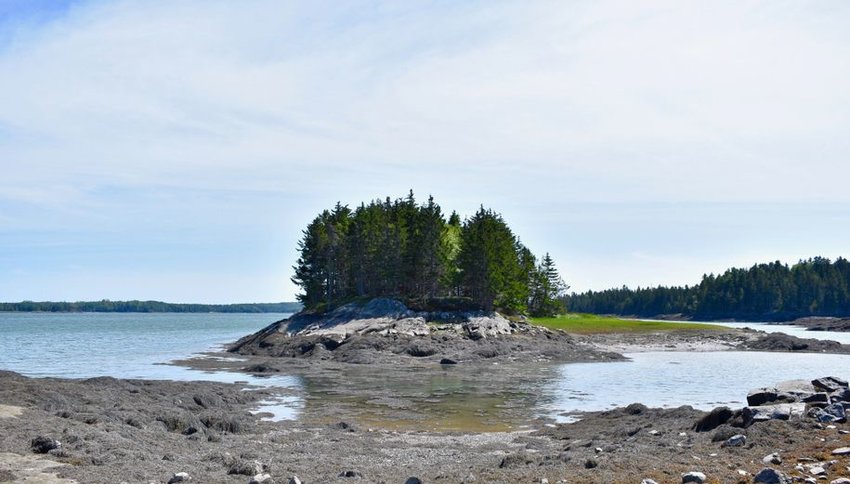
[[389, 317], [29, 468], [9, 411]]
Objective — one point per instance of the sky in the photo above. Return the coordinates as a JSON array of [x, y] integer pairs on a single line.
[[152, 149]]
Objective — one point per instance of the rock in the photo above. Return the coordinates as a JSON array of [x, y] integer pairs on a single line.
[[819, 397], [714, 419], [829, 384], [771, 476], [246, 467], [841, 395], [773, 458], [180, 477], [413, 480], [762, 396], [737, 440], [591, 464], [841, 451], [841, 480], [817, 471], [350, 474], [294, 480], [448, 361], [837, 411], [260, 479], [648, 481], [43, 445], [693, 476], [782, 411]]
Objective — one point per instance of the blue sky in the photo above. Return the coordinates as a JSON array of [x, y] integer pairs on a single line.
[[174, 150]]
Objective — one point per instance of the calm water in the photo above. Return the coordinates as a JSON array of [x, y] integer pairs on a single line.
[[122, 345], [140, 346]]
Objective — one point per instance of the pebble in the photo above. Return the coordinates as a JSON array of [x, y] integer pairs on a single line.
[[260, 479], [180, 477], [416, 480], [817, 471], [842, 480], [693, 476], [294, 480], [648, 481], [841, 451], [653, 432], [772, 459], [352, 474]]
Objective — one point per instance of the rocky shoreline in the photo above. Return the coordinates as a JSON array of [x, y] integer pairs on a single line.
[[113, 430]]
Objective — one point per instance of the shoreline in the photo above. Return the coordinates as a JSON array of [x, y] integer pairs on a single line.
[[148, 430]]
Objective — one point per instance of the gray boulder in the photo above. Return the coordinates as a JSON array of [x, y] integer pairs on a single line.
[[43, 445], [829, 384], [771, 476], [179, 477], [737, 440], [782, 411], [693, 476]]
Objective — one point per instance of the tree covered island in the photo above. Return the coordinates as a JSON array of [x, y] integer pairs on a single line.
[[411, 252]]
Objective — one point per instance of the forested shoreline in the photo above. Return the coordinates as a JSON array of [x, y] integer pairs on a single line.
[[107, 306], [400, 249], [763, 292]]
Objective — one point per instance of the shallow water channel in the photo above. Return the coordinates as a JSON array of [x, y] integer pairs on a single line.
[[481, 397]]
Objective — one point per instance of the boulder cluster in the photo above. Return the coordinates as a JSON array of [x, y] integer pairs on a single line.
[[822, 402]]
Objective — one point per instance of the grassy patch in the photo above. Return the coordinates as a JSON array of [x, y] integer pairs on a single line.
[[592, 323]]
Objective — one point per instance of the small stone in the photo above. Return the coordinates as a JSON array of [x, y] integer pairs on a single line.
[[841, 480], [693, 476], [737, 440], [648, 481], [742, 472], [683, 434], [653, 432], [817, 471], [544, 481], [416, 480], [294, 480], [772, 459], [590, 464], [43, 445], [771, 476], [260, 479], [351, 474], [180, 477], [841, 451], [598, 450]]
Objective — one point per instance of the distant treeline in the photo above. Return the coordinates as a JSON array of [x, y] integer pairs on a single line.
[[107, 306], [764, 292]]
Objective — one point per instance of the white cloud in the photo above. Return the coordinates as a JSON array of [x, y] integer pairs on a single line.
[[121, 107]]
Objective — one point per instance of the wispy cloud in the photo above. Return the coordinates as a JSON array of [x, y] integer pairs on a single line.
[[161, 109]]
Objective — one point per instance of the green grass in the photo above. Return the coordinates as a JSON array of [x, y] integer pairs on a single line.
[[594, 324]]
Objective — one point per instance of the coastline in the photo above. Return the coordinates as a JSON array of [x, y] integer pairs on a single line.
[[139, 430]]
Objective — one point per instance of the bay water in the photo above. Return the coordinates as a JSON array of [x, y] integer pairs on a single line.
[[140, 345]]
